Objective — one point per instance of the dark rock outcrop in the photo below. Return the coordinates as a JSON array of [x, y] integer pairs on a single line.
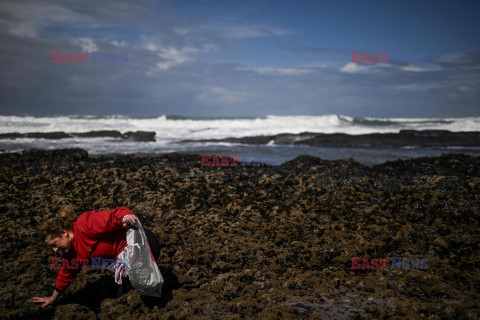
[[130, 135], [139, 135], [405, 138]]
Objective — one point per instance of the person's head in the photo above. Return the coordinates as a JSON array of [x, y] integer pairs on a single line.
[[58, 232]]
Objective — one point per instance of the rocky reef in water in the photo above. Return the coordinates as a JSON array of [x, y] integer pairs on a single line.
[[404, 138], [130, 135], [253, 242]]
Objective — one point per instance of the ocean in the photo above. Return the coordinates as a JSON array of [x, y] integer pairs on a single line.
[[172, 130]]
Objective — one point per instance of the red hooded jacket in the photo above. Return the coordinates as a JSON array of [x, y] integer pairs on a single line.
[[96, 234]]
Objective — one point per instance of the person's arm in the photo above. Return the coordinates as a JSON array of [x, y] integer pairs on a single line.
[[101, 222], [64, 279], [47, 300]]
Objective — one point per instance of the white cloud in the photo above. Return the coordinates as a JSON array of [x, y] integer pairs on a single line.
[[119, 44], [412, 68], [352, 67], [424, 68], [87, 44], [245, 32], [180, 31], [171, 56], [174, 56], [277, 71], [355, 68], [439, 85], [315, 65]]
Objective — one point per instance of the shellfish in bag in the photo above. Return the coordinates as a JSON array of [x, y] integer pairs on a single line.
[[143, 272]]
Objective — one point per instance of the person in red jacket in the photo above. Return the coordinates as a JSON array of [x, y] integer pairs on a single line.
[[93, 234]]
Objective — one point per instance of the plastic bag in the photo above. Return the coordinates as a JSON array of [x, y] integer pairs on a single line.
[[142, 271]]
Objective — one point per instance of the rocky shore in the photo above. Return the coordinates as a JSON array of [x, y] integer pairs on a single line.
[[253, 242]]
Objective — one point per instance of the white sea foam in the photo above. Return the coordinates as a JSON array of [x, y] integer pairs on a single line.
[[168, 129], [171, 130]]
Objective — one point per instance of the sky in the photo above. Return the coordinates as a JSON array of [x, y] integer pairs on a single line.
[[241, 58]]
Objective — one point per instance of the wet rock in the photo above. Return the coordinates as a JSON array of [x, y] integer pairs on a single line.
[[73, 311], [100, 134], [43, 135], [391, 285], [129, 135], [404, 138], [139, 135]]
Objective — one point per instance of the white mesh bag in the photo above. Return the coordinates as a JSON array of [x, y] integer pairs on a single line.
[[143, 273]]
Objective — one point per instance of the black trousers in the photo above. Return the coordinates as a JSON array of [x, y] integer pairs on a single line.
[[153, 242]]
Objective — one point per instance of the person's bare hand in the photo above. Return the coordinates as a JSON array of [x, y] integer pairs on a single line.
[[45, 300], [128, 220]]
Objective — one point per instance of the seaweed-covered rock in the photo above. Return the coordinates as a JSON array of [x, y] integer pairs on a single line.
[[252, 242]]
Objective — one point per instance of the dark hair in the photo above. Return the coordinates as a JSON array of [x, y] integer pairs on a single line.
[[53, 227]]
